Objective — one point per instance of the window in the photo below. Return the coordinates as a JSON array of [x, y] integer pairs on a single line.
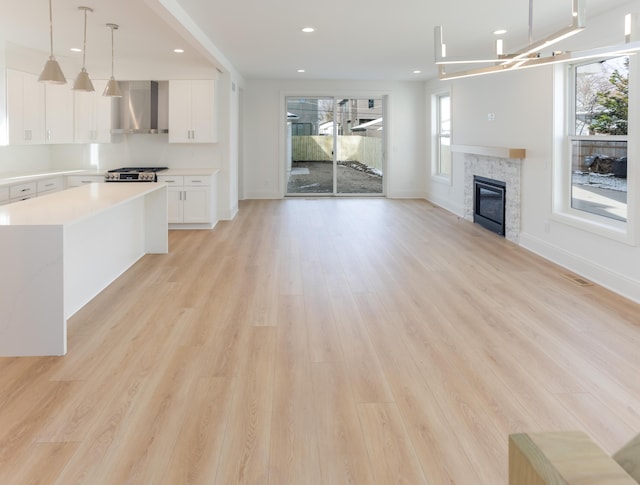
[[301, 129], [598, 138], [442, 152]]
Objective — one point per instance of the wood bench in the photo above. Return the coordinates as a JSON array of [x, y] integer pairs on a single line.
[[570, 458]]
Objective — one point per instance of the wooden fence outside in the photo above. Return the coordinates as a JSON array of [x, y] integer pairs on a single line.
[[366, 150]]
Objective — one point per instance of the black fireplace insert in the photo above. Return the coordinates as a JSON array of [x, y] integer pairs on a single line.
[[489, 198]]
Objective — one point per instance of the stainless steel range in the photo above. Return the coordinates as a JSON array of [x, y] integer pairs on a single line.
[[133, 174]]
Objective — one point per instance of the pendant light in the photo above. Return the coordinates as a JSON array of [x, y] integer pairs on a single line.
[[83, 83], [51, 72], [112, 88]]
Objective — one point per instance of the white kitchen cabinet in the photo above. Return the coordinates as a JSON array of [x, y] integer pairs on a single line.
[[24, 191], [4, 195], [58, 113], [191, 201], [78, 180], [192, 111], [49, 185], [25, 108], [92, 115]]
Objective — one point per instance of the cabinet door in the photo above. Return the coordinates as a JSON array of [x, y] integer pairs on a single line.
[[92, 115], [203, 119], [196, 205], [83, 116], [25, 108], [102, 113], [58, 113], [179, 111], [174, 198]]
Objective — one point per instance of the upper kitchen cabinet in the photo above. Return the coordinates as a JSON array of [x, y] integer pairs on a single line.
[[92, 115], [192, 111], [25, 108], [58, 113]]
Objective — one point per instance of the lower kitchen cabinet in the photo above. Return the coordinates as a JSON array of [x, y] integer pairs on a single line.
[[49, 186], [192, 201], [23, 191], [4, 195], [78, 180]]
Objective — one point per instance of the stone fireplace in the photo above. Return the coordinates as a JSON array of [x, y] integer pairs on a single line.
[[502, 164]]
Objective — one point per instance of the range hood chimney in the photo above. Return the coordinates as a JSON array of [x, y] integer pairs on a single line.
[[142, 107]]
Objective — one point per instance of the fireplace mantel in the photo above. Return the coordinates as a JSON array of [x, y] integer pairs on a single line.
[[497, 152]]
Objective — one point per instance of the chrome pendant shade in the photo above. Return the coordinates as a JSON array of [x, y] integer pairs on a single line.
[[82, 82], [51, 73], [112, 88]]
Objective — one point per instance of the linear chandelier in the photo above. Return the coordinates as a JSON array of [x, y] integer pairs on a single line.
[[530, 55]]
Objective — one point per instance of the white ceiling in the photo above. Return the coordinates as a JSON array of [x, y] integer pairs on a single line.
[[355, 39]]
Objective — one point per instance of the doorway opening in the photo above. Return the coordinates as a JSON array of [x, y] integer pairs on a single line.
[[335, 146]]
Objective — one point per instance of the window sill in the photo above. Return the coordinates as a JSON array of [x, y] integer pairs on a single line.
[[601, 226]]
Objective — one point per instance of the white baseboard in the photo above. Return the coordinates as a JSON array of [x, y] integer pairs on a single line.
[[597, 273], [446, 204], [406, 195]]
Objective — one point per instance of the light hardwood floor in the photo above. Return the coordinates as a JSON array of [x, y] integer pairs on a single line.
[[332, 341]]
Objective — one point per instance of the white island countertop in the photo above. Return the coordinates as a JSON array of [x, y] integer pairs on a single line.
[[72, 205], [60, 250]]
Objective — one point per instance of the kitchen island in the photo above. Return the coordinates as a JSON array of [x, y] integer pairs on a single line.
[[59, 251]]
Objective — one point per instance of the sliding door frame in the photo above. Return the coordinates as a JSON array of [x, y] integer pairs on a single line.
[[284, 95]]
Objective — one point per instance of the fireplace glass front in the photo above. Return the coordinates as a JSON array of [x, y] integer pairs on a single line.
[[489, 203]]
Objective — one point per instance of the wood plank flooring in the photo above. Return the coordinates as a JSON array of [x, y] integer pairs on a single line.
[[331, 341]]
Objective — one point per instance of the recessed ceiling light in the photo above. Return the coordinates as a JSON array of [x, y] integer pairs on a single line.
[[178, 51], [499, 32], [301, 70], [308, 30], [75, 49]]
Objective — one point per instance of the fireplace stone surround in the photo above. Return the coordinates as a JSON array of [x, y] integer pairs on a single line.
[[502, 164]]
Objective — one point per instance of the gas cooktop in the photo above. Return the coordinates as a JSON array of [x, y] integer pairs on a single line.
[[133, 174]]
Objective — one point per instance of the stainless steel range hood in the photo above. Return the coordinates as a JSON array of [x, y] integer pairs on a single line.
[[142, 108]]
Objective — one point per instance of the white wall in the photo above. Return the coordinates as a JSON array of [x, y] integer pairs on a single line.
[[264, 132], [523, 105]]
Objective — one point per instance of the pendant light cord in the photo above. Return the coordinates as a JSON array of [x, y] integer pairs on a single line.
[[51, 29], [112, 29], [84, 42]]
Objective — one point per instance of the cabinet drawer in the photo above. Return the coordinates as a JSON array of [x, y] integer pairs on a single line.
[[197, 180], [22, 191], [4, 194], [49, 185], [172, 180], [78, 180]]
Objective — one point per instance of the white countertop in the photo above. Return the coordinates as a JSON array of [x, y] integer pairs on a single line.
[[24, 177], [73, 205], [189, 171]]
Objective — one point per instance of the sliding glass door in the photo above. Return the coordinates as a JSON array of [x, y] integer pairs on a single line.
[[335, 146]]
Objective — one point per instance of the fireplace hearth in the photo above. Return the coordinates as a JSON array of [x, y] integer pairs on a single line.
[[489, 203]]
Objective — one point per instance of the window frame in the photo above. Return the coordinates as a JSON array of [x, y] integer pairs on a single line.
[[437, 136], [564, 129]]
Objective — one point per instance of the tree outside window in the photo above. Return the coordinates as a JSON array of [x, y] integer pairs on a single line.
[[599, 144]]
